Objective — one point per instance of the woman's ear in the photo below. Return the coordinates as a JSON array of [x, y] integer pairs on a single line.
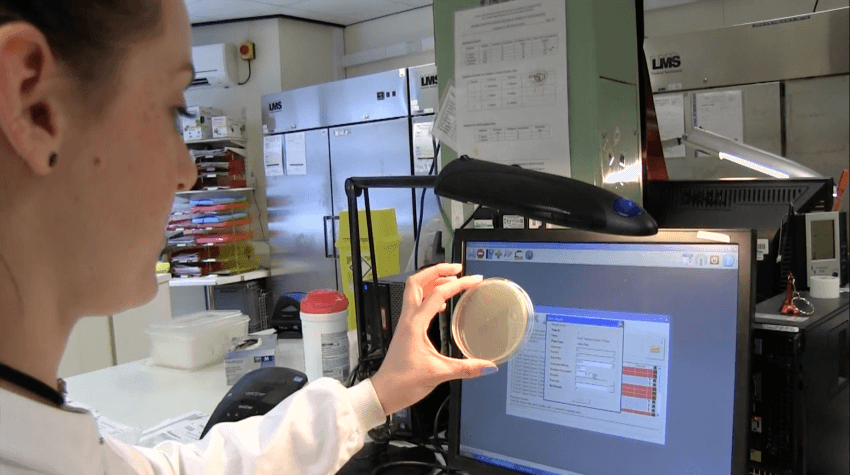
[[30, 91]]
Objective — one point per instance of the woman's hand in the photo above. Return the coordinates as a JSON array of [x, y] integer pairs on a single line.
[[412, 367]]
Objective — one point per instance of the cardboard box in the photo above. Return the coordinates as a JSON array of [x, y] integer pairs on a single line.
[[227, 128], [199, 126], [247, 354], [191, 134], [200, 116]]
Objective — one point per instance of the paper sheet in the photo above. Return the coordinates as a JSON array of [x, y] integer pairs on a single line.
[[108, 427], [445, 124], [511, 84], [273, 155], [423, 148], [670, 111], [296, 154], [720, 112], [183, 429]]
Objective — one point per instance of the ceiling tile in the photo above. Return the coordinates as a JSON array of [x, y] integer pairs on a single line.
[[343, 12], [318, 16], [280, 3], [232, 10], [359, 10], [415, 3]]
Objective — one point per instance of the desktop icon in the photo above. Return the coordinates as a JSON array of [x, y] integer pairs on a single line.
[[518, 255], [728, 261], [687, 258], [489, 253], [715, 260], [470, 253], [529, 255], [498, 253], [701, 260], [480, 253]]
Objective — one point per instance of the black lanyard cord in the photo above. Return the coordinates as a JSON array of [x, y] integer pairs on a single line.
[[25, 381]]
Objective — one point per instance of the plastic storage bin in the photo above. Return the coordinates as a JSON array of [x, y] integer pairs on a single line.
[[196, 340], [387, 240]]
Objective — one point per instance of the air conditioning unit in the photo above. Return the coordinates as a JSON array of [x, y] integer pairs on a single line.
[[215, 65]]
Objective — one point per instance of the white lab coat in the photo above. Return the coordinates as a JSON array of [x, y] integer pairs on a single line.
[[315, 431]]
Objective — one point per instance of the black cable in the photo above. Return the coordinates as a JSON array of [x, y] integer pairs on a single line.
[[470, 217], [435, 439], [249, 75], [816, 6], [421, 216], [352, 376]]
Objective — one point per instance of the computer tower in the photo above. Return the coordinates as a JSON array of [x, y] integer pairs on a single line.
[[800, 409], [382, 318], [251, 298]]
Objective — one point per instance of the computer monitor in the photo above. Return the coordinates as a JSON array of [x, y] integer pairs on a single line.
[[637, 362]]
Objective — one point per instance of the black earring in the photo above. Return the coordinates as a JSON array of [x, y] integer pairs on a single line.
[[53, 158]]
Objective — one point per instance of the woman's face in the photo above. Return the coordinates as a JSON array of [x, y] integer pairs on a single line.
[[119, 170]]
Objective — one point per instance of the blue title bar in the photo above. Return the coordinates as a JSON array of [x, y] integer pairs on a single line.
[[598, 322], [601, 314], [583, 246]]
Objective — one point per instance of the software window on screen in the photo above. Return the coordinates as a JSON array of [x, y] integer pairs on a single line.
[[630, 367]]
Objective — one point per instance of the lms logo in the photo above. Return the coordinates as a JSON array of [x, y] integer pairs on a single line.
[[666, 62], [429, 81], [275, 106]]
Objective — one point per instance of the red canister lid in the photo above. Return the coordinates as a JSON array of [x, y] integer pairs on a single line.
[[324, 301]]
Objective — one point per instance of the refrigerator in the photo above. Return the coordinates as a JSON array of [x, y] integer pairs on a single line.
[[373, 125]]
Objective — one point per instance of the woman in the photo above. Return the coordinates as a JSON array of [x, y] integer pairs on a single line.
[[90, 159]]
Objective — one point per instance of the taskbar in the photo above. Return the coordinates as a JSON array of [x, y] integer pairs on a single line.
[[510, 463]]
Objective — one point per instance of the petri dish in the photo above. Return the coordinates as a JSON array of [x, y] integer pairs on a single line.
[[492, 320]]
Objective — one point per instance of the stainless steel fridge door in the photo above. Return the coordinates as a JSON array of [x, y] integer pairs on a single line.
[[301, 222], [375, 149], [424, 94], [364, 98]]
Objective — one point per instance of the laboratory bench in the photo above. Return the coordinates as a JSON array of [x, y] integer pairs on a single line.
[[142, 395]]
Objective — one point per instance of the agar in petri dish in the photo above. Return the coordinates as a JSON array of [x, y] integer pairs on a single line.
[[492, 320]]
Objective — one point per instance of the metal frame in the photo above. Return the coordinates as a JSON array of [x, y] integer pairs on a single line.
[[354, 186]]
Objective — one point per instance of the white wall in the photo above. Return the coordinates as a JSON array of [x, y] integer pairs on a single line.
[[309, 53], [710, 14], [387, 31]]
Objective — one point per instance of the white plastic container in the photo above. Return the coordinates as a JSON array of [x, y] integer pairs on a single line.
[[195, 340], [324, 324]]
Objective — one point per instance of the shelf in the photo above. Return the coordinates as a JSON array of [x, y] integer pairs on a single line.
[[240, 142], [218, 279], [195, 192]]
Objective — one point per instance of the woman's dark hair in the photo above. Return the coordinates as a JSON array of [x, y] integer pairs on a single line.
[[89, 36]]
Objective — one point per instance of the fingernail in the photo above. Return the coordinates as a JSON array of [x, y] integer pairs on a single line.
[[489, 370], [477, 277]]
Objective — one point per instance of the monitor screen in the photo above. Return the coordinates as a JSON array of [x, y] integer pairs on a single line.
[[637, 349], [823, 239]]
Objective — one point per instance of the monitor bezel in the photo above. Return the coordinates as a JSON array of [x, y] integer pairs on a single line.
[[744, 239]]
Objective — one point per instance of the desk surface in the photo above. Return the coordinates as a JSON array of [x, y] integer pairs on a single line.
[[140, 395], [143, 395]]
